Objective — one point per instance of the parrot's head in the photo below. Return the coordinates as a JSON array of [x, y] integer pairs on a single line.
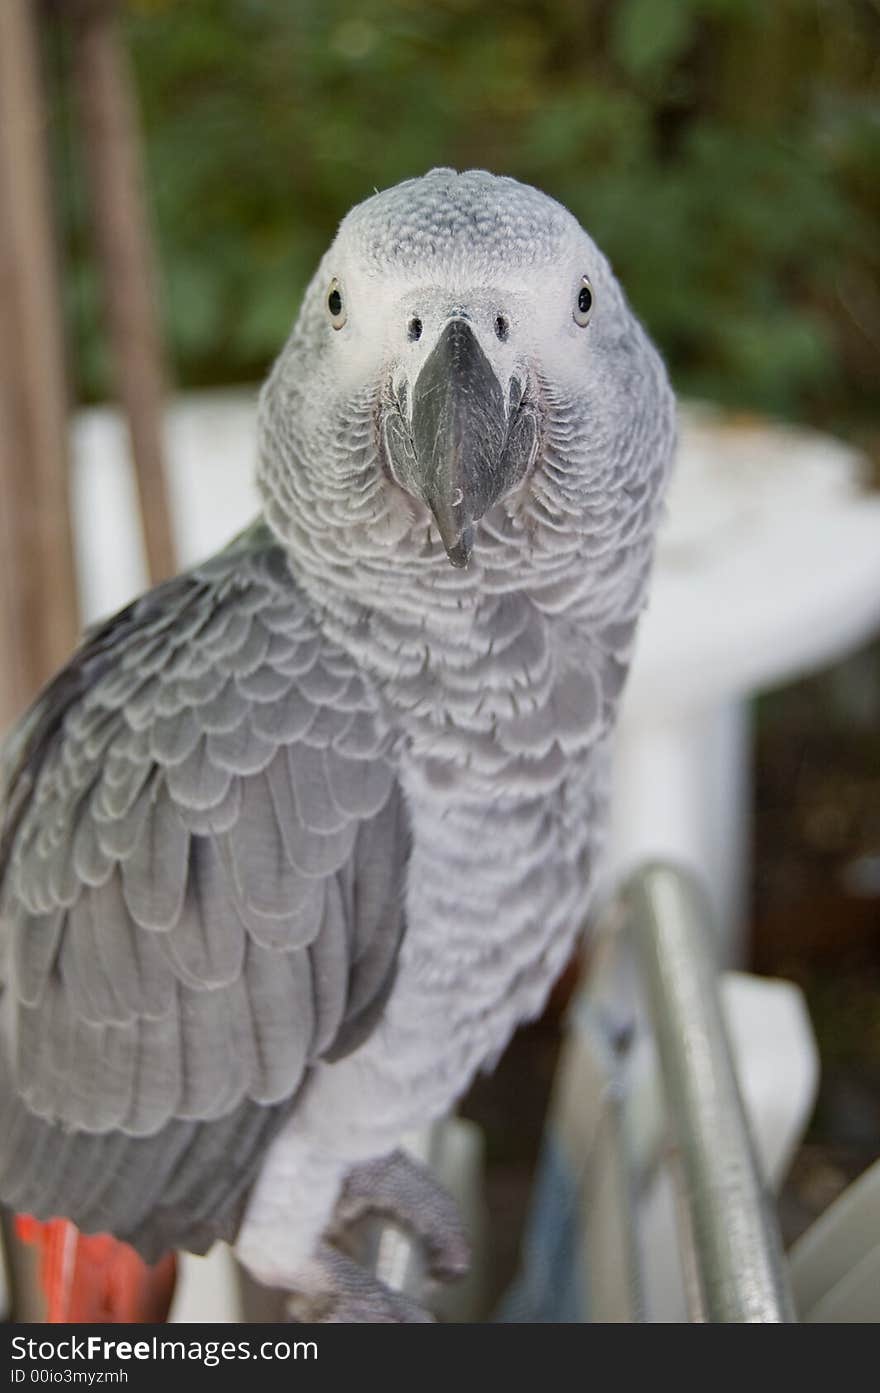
[[464, 368]]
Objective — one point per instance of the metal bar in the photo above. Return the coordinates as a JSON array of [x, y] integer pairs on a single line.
[[587, 1134], [613, 1280], [736, 1246]]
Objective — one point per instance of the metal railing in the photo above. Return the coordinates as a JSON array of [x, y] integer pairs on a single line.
[[645, 1092], [734, 1256]]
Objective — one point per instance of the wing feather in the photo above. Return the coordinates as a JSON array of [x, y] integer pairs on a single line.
[[202, 855]]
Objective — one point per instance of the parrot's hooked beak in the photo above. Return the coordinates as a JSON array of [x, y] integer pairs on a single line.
[[467, 443]]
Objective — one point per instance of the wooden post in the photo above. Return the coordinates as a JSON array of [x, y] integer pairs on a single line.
[[38, 606], [108, 117], [13, 690], [17, 577]]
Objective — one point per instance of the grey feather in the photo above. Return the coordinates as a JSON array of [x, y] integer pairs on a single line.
[[133, 962], [120, 835], [217, 818], [154, 873], [35, 939], [282, 1015], [206, 945], [211, 1083], [316, 808], [160, 913], [88, 989], [241, 750], [158, 1082], [198, 782]]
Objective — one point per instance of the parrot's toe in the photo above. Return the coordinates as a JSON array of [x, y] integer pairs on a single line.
[[400, 1189], [337, 1291]]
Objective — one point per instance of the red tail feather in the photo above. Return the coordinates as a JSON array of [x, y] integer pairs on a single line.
[[95, 1277]]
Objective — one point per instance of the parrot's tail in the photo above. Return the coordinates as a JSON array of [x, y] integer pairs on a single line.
[[95, 1278]]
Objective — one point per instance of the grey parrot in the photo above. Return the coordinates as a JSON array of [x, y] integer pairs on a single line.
[[295, 841]]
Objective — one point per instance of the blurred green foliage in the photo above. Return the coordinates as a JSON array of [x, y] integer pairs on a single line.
[[725, 153]]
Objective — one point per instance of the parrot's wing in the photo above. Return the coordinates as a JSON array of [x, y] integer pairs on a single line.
[[202, 863]]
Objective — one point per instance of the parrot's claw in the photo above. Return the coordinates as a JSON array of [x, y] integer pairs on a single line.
[[337, 1291], [401, 1190]]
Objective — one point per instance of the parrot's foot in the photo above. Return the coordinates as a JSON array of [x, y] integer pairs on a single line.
[[397, 1188], [335, 1290]]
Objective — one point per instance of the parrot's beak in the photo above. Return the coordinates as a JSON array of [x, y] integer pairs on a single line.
[[458, 427], [459, 454]]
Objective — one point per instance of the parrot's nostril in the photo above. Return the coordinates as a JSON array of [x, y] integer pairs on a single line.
[[414, 330], [502, 328]]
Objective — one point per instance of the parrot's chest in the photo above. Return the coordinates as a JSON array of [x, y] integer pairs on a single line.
[[497, 891], [505, 827]]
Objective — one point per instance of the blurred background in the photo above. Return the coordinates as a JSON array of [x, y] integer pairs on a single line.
[[726, 156], [724, 153]]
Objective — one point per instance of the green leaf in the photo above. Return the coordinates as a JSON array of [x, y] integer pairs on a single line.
[[648, 36]]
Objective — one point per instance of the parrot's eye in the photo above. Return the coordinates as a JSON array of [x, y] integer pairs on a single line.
[[336, 305], [583, 308]]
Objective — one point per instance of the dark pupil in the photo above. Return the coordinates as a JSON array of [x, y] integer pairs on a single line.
[[334, 303], [585, 300]]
